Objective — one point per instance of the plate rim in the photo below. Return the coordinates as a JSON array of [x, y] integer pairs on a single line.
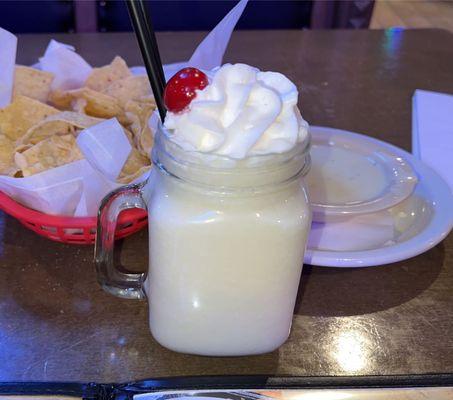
[[437, 229]]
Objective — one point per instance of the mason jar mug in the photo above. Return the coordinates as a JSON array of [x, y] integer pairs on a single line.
[[226, 247]]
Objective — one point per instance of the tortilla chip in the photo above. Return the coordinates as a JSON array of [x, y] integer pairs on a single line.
[[129, 135], [78, 120], [139, 114], [45, 129], [101, 78], [32, 83], [145, 140], [7, 166], [133, 164], [96, 104], [90, 102], [125, 179], [18, 117], [134, 110], [22, 147], [49, 153], [63, 123], [61, 99], [131, 88], [79, 105]]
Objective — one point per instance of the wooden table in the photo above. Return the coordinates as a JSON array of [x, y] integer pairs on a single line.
[[57, 324]]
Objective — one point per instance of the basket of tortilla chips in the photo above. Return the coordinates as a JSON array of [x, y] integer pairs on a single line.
[[70, 133], [47, 181]]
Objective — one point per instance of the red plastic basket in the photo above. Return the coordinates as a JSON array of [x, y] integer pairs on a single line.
[[74, 230]]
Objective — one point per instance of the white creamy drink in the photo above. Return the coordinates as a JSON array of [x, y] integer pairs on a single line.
[[228, 216]]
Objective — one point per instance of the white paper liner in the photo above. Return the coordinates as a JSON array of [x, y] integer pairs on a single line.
[[8, 45], [55, 191], [106, 147], [70, 69], [209, 53]]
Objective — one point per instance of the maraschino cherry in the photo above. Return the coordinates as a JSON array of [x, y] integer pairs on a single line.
[[180, 89]]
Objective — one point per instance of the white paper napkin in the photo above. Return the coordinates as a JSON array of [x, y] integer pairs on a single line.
[[432, 131], [8, 45]]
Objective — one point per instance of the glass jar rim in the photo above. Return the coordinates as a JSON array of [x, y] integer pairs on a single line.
[[223, 163]]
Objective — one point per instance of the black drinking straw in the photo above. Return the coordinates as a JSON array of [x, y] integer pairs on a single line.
[[149, 49], [150, 32]]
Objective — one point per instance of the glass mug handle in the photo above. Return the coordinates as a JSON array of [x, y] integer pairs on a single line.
[[111, 277]]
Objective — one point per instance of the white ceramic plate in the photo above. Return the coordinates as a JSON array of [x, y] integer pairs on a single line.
[[352, 175], [410, 228]]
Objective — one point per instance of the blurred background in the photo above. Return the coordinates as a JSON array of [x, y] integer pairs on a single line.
[[34, 16]]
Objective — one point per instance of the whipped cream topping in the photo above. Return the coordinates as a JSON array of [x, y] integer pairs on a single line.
[[242, 112]]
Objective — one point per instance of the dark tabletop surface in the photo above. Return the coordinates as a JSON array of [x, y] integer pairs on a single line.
[[57, 324]]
